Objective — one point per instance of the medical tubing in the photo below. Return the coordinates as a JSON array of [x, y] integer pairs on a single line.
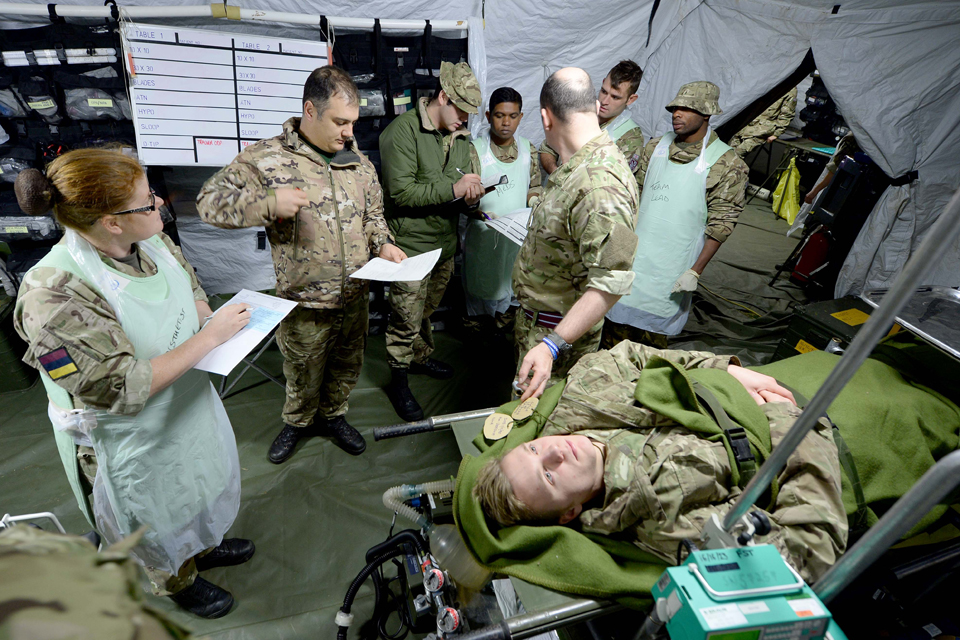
[[392, 547], [939, 238], [393, 499], [928, 492], [359, 580]]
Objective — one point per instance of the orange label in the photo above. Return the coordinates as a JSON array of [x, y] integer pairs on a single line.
[[805, 347], [852, 317]]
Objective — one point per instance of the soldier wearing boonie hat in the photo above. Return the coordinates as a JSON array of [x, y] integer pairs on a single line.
[[691, 194], [429, 179]]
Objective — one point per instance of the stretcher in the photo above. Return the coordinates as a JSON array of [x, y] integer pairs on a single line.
[[551, 610]]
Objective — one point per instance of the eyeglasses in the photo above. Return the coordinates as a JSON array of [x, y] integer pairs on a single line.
[[150, 207]]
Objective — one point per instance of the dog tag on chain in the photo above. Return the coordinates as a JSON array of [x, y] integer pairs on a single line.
[[497, 426], [525, 410]]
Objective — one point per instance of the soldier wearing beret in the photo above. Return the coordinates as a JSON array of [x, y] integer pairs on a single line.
[[322, 206], [691, 194], [429, 179]]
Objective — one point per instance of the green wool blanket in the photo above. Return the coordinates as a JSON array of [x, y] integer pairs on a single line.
[[895, 427]]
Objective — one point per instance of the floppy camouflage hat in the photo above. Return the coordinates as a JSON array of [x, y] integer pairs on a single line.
[[701, 96], [460, 85]]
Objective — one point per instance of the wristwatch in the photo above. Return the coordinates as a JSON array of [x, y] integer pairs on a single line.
[[560, 343]]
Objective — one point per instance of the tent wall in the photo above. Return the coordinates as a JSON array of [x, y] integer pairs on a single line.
[[894, 73], [892, 66]]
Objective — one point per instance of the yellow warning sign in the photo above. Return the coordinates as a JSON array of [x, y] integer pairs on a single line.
[[805, 347], [852, 317]]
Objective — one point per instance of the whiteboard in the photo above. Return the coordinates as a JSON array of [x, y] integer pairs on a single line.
[[199, 97]]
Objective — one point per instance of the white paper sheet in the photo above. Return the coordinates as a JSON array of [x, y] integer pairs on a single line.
[[513, 225], [415, 268], [266, 313], [493, 181]]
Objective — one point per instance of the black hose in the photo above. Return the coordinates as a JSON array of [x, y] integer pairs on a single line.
[[390, 548], [359, 580]]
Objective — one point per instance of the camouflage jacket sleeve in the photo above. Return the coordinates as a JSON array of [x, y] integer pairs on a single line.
[[57, 310], [198, 293], [536, 179], [236, 197], [631, 145], [726, 184], [662, 486], [374, 224], [787, 111], [599, 391], [547, 149], [604, 223], [641, 171]]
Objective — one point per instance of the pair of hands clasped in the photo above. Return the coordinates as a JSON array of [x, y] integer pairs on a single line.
[[289, 202]]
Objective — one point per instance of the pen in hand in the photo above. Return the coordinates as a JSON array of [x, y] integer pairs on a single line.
[[485, 216]]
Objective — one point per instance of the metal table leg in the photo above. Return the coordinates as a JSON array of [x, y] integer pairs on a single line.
[[251, 363]]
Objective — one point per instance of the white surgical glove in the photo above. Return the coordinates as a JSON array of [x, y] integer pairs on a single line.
[[686, 282]]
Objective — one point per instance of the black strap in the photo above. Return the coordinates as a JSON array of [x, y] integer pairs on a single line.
[[324, 28], [61, 53], [425, 47], [52, 11], [735, 434], [114, 10], [906, 178], [859, 521], [653, 12], [377, 46], [31, 59]]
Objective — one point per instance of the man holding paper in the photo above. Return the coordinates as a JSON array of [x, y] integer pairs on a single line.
[[322, 206], [428, 180]]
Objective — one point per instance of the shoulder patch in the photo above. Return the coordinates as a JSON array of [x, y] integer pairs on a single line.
[[634, 161], [58, 364]]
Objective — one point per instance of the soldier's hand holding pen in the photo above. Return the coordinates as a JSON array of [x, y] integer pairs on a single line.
[[468, 187], [226, 322], [289, 202]]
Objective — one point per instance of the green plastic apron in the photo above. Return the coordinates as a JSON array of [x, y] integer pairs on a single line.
[[173, 467], [670, 227], [488, 256], [620, 125]]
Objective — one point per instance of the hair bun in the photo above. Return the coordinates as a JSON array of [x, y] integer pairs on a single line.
[[34, 192]]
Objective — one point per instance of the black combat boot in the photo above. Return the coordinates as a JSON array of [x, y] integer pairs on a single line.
[[348, 438], [229, 552], [402, 398], [433, 368], [286, 442], [204, 599]]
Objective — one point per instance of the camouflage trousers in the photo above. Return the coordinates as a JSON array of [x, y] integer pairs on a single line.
[[162, 583], [409, 334], [322, 356], [744, 145], [614, 333], [528, 334]]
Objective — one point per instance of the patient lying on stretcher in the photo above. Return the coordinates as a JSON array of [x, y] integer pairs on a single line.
[[631, 449]]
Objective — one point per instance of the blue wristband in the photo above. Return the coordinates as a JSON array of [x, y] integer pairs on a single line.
[[554, 349]]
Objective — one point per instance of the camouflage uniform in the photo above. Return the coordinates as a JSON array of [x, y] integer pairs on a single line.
[[630, 145], [422, 211], [323, 339], [57, 309], [772, 122], [61, 587], [663, 481], [580, 235]]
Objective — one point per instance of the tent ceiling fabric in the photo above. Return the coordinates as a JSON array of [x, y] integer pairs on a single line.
[[893, 67], [894, 71]]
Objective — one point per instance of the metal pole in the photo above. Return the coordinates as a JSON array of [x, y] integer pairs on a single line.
[[531, 624], [428, 424], [939, 238], [205, 11], [933, 487]]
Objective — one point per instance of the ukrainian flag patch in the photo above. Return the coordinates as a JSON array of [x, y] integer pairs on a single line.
[[58, 364]]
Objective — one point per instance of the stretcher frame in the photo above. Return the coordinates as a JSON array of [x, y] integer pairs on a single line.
[[932, 487]]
